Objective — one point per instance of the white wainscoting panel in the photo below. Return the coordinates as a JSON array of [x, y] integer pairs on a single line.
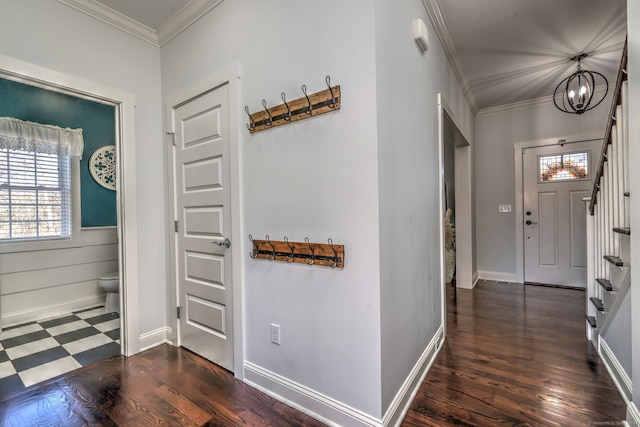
[[45, 283]]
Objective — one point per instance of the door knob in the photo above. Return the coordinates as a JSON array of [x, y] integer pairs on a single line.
[[226, 243], [529, 222]]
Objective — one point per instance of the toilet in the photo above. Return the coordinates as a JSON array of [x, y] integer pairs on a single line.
[[110, 285]]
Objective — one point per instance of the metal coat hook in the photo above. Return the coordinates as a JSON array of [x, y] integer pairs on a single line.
[[287, 116], [312, 260], [252, 125], [254, 252], [309, 108], [273, 250], [334, 262], [264, 104], [332, 104], [291, 255]]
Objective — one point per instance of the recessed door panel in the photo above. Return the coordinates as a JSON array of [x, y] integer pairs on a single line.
[[203, 175], [548, 228], [206, 315], [578, 225], [202, 127], [204, 222], [206, 269]]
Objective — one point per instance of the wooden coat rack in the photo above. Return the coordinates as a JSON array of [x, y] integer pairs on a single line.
[[302, 108], [326, 254]]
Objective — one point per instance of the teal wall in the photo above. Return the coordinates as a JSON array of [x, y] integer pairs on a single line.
[[97, 122]]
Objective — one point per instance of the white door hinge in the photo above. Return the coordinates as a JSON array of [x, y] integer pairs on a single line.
[[173, 138]]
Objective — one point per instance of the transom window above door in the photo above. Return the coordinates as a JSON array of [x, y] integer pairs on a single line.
[[563, 167]]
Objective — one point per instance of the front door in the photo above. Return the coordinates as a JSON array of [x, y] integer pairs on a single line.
[[202, 204], [556, 178]]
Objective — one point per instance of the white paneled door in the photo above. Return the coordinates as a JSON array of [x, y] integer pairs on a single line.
[[555, 180], [202, 200]]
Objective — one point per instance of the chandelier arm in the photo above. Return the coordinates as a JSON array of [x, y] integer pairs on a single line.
[[583, 93], [605, 92]]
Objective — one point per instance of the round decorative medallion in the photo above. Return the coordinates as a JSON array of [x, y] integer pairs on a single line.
[[102, 165]]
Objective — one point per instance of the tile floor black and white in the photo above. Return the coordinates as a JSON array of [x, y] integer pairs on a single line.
[[37, 351]]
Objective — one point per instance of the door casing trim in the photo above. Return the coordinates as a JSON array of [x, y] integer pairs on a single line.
[[519, 188], [230, 76]]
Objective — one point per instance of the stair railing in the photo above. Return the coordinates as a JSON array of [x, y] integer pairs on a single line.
[[609, 208]]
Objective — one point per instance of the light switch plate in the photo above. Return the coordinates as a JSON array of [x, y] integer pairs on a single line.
[[504, 208]]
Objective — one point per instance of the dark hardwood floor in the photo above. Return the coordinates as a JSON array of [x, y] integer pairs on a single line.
[[514, 356], [164, 386]]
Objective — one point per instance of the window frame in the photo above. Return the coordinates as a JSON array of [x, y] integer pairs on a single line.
[[11, 246]]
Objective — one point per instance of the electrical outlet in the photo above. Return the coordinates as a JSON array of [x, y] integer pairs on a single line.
[[275, 333]]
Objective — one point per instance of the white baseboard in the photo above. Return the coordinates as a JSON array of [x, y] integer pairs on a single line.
[[333, 412], [47, 311], [306, 400], [401, 403], [155, 338], [633, 415], [474, 280], [616, 371], [497, 276]]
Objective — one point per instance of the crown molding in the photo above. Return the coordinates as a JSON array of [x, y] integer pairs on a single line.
[[437, 19], [529, 103], [520, 105], [114, 18], [179, 22], [184, 18]]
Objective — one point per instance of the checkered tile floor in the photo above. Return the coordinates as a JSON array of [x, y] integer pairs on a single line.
[[37, 351]]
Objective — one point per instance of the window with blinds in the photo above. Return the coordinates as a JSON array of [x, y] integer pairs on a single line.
[[35, 196]]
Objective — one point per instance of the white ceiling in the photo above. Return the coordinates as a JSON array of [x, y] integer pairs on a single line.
[[503, 51], [516, 50]]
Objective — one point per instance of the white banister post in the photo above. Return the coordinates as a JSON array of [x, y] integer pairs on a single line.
[[590, 266], [615, 191], [625, 152]]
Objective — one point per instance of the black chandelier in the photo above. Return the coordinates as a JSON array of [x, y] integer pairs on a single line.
[[577, 89]]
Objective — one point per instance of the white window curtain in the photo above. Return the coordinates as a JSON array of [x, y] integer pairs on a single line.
[[38, 138]]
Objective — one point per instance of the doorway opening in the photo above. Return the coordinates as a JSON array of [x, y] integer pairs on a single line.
[[455, 194], [68, 297]]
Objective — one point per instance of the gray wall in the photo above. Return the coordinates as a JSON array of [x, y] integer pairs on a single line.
[[496, 132], [450, 178], [408, 83], [617, 336]]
